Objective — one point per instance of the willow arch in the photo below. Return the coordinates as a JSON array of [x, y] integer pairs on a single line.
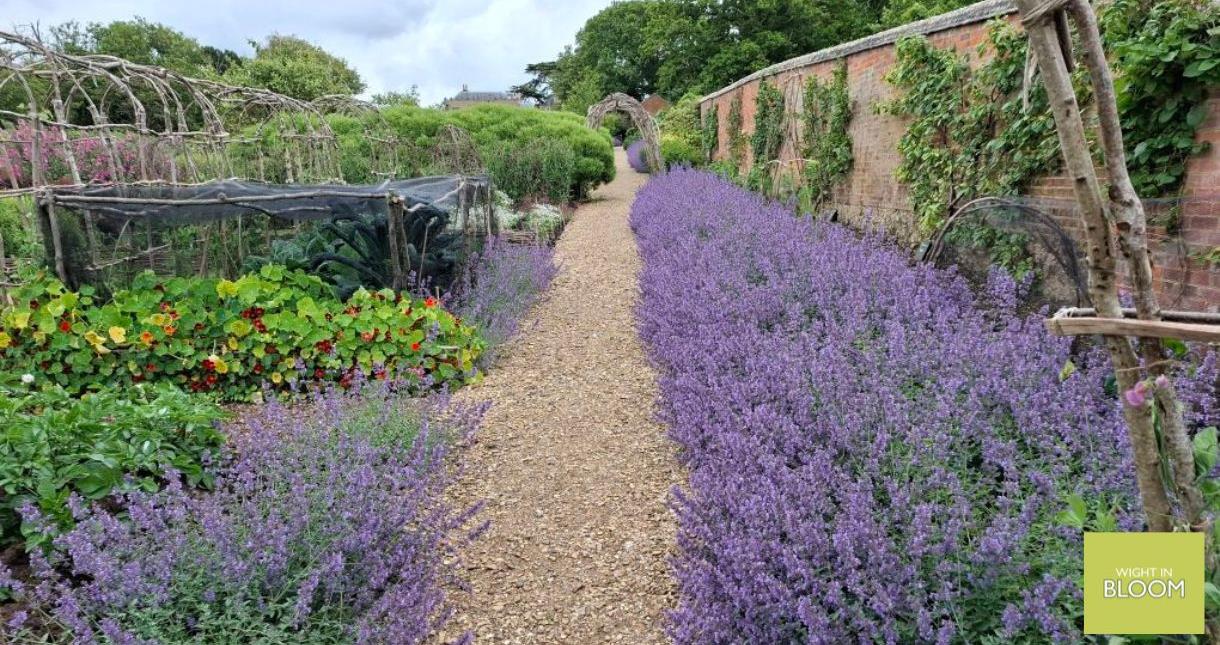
[[643, 121]]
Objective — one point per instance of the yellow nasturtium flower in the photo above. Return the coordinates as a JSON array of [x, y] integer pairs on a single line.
[[99, 343], [219, 364], [277, 378], [118, 334], [5, 340], [21, 319], [233, 342]]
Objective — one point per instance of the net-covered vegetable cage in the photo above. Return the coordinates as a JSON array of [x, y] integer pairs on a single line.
[[117, 167]]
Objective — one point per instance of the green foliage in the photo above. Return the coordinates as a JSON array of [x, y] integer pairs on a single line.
[[17, 229], [297, 68], [682, 133], [543, 169], [493, 128], [901, 12], [1166, 56], [737, 139], [141, 41], [675, 47], [53, 444], [233, 338], [968, 134], [677, 151], [825, 116], [710, 133], [768, 124]]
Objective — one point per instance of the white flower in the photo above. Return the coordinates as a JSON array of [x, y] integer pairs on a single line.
[[27, 378]]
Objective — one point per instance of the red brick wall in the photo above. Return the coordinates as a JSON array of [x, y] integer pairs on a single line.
[[872, 197]]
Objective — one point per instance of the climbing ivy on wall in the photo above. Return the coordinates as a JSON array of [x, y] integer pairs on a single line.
[[710, 133], [737, 139], [1166, 56], [970, 134], [768, 124], [825, 115]]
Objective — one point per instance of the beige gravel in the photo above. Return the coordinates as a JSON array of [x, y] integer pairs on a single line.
[[573, 468]]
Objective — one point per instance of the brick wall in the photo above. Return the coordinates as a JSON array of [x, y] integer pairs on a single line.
[[871, 197]]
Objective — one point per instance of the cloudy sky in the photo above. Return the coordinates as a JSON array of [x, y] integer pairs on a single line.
[[394, 44]]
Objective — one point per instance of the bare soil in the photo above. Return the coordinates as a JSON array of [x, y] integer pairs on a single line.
[[571, 464]]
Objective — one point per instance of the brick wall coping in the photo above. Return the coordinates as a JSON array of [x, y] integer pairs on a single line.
[[977, 12]]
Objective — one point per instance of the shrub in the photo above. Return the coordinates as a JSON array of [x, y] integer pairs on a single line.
[[875, 455], [636, 156], [536, 169], [500, 285], [679, 152], [327, 525], [493, 127], [53, 445], [269, 328]]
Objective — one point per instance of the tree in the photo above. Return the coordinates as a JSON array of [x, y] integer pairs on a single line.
[[672, 47], [296, 67], [394, 98], [538, 88], [141, 41]]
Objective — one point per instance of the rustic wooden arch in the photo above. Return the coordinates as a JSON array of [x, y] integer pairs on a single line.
[[619, 102]]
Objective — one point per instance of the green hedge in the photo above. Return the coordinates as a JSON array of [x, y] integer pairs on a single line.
[[494, 128]]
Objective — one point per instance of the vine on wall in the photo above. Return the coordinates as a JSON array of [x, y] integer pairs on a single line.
[[1166, 56], [710, 133], [969, 134], [826, 113], [737, 139], [768, 124]]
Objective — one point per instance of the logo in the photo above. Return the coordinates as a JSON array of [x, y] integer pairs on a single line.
[[1143, 583]]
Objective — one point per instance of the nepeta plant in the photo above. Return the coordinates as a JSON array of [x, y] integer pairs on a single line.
[[499, 286], [327, 525], [875, 453], [637, 158]]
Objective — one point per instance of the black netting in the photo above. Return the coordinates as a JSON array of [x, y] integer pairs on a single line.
[[108, 234]]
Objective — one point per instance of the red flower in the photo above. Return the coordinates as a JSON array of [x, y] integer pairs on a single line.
[[137, 377], [430, 302], [367, 336], [198, 326], [150, 368], [33, 304], [208, 365], [415, 347], [258, 324], [211, 379], [318, 373], [258, 368], [65, 326]]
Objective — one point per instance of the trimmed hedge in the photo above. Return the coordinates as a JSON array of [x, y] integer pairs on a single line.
[[493, 128]]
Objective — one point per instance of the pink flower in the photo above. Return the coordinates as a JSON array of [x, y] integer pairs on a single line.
[[1137, 396]]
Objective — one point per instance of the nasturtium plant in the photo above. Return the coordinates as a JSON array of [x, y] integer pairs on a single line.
[[271, 329], [54, 444]]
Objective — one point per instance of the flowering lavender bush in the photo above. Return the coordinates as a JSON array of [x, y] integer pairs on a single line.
[[499, 285], [637, 157], [326, 526], [875, 454]]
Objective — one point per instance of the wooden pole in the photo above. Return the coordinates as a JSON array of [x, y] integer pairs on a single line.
[[1039, 20], [393, 223]]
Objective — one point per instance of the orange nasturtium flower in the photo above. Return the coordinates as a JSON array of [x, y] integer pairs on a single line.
[[169, 330], [146, 337]]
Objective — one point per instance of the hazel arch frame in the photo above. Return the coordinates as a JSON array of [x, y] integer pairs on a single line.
[[643, 121]]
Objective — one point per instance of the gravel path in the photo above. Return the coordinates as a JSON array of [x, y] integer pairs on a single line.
[[573, 468]]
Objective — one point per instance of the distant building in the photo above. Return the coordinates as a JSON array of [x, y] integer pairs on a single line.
[[654, 104], [466, 98]]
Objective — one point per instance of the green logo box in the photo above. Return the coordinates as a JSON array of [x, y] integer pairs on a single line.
[[1143, 583]]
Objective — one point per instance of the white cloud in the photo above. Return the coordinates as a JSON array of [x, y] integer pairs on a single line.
[[435, 44]]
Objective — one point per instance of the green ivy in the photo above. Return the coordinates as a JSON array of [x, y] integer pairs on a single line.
[[826, 113], [768, 124], [737, 140], [970, 134], [710, 133], [1166, 55]]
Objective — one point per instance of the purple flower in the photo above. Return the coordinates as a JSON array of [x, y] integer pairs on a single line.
[[875, 452], [1137, 396]]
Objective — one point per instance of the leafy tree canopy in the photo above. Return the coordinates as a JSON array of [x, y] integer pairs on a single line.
[[672, 47], [298, 68]]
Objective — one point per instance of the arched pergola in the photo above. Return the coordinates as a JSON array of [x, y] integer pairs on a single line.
[[619, 102]]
